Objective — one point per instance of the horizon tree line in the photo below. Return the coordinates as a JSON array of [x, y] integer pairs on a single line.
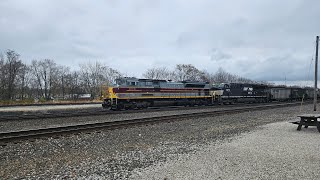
[[44, 79]]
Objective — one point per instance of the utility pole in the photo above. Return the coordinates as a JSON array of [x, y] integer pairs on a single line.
[[285, 79], [316, 76]]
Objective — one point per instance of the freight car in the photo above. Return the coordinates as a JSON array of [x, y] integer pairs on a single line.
[[280, 94], [283, 93], [310, 93], [132, 93]]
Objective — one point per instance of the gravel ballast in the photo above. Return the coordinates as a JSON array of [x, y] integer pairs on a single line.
[[48, 107], [144, 152], [26, 124]]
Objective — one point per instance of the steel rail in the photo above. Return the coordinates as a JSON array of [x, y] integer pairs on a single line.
[[100, 111], [33, 133], [50, 104]]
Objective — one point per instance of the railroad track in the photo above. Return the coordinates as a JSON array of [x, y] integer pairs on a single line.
[[50, 104], [35, 133], [95, 112], [78, 113]]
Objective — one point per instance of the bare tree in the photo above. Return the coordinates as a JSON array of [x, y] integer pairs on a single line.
[[207, 77], [112, 75], [46, 79], [157, 73], [94, 75], [182, 72], [73, 84], [60, 84], [45, 72], [91, 76], [23, 82], [37, 77], [222, 76], [2, 76], [188, 72], [10, 70]]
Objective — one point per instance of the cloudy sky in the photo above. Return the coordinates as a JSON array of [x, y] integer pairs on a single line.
[[261, 40]]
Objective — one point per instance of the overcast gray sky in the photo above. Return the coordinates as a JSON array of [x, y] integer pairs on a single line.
[[261, 40]]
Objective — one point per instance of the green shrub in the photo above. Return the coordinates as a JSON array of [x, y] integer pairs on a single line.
[[42, 100]]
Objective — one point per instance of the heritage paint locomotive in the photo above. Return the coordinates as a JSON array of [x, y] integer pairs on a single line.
[[130, 93]]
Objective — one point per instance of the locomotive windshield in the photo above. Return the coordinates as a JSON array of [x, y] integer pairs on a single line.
[[220, 85], [120, 82]]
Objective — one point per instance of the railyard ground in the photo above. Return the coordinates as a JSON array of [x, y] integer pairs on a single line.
[[250, 145], [47, 107]]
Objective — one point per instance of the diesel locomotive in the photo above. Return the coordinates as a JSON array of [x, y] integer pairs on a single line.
[[133, 93], [243, 92]]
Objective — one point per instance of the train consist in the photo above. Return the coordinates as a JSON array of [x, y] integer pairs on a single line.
[[133, 93]]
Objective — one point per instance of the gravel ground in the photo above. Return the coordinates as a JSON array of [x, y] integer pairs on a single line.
[[277, 151], [15, 125], [142, 152], [47, 107]]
